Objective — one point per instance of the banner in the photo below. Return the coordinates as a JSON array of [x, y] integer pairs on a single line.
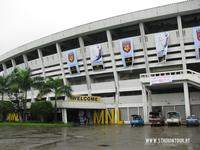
[[127, 52], [160, 79], [72, 62], [161, 41], [86, 99], [196, 36], [96, 54]]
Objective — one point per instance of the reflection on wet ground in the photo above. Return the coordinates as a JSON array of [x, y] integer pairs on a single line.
[[95, 137]]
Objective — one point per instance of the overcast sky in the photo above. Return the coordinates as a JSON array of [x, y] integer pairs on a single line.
[[22, 21]]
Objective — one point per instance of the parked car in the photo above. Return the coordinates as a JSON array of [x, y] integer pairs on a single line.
[[156, 119], [173, 118], [136, 121], [192, 121]]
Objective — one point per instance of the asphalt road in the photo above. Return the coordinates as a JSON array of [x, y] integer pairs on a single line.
[[100, 137]]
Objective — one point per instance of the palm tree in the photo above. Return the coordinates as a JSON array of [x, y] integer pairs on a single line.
[[56, 86], [21, 78], [3, 85], [3, 89]]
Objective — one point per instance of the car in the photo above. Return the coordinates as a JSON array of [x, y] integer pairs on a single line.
[[136, 121], [192, 121], [173, 118], [156, 119]]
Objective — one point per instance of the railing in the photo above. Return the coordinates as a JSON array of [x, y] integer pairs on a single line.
[[170, 73]]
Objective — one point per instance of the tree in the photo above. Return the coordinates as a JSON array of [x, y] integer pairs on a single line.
[[3, 85], [41, 111], [57, 87], [20, 82], [6, 107]]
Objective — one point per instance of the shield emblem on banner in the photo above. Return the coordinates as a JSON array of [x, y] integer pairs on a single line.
[[198, 35], [126, 45], [71, 57]]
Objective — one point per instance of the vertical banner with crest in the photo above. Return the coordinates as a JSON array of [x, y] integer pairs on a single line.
[[196, 36], [161, 41], [127, 52], [96, 57], [72, 62]]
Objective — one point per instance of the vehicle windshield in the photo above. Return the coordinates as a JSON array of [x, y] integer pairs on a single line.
[[154, 115], [192, 117], [135, 117], [173, 115]]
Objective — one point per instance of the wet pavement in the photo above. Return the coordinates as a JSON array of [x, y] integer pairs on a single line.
[[96, 138]]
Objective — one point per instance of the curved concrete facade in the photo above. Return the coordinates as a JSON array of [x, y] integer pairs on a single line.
[[120, 87]]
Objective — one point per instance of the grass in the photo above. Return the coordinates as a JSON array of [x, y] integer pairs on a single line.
[[33, 124]]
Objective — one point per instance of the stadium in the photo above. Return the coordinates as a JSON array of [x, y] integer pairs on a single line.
[[129, 64]]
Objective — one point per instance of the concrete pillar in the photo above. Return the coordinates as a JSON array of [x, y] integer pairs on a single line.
[[25, 60], [116, 78], [64, 116], [41, 61], [144, 101], [82, 49], [186, 99], [127, 113], [149, 100], [180, 30], [58, 48], [144, 47], [4, 69], [13, 63]]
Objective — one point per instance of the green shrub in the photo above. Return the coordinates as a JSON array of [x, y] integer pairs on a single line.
[[6, 107], [42, 111]]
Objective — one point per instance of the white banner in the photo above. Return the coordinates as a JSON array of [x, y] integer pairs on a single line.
[[160, 79], [161, 41], [72, 61], [96, 54], [126, 49]]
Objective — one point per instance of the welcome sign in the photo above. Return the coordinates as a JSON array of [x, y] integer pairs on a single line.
[[86, 99]]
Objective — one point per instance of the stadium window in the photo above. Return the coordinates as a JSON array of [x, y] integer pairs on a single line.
[[98, 67], [191, 20], [49, 50], [160, 25], [19, 60], [8, 64], [1, 68], [69, 44], [32, 55], [95, 38], [126, 31]]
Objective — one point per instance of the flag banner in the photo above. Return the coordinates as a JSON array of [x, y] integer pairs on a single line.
[[196, 36], [127, 52], [161, 41], [96, 57], [72, 62]]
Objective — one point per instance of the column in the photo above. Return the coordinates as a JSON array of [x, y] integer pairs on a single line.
[[13, 63], [128, 114], [25, 60], [58, 48], [144, 47], [4, 69], [82, 49], [64, 116], [117, 94], [149, 100], [186, 99], [180, 30], [144, 101], [41, 61]]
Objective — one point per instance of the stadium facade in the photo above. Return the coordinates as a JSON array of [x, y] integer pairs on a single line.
[[128, 64]]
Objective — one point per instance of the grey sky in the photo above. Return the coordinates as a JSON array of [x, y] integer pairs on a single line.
[[23, 21]]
